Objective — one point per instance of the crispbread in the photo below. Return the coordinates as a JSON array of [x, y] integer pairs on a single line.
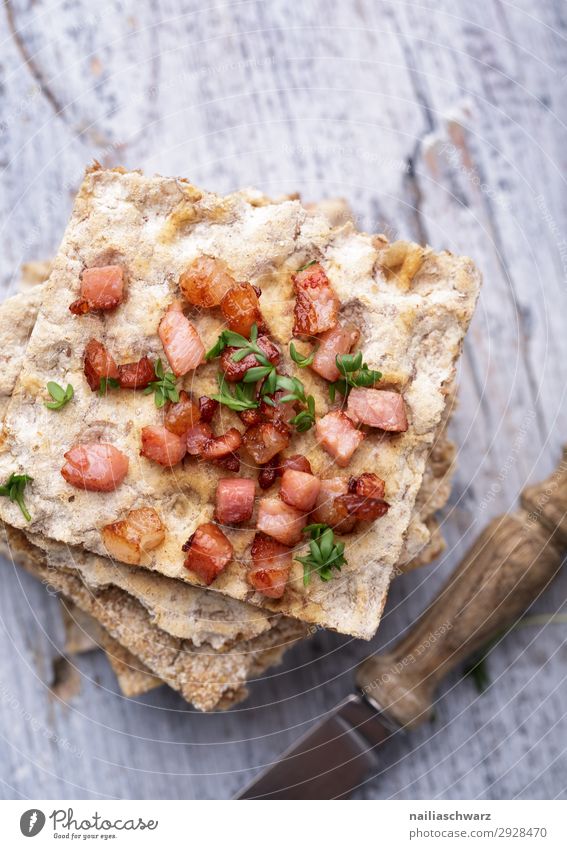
[[155, 226], [84, 634], [205, 677]]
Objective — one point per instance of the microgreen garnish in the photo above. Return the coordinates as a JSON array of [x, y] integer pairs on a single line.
[[295, 390], [305, 420], [14, 490], [107, 383], [230, 339], [324, 553], [241, 399], [307, 265], [164, 387], [244, 395], [60, 396], [299, 359], [353, 373]]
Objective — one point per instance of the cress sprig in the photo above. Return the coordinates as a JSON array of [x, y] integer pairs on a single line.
[[230, 339], [325, 554], [241, 399], [354, 372], [107, 383], [60, 396], [299, 359], [164, 387], [14, 490]]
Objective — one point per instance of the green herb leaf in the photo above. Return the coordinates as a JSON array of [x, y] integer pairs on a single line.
[[299, 359], [305, 420], [60, 396], [354, 373], [164, 387], [14, 490], [307, 265], [325, 554], [253, 375], [106, 383], [230, 339], [242, 399]]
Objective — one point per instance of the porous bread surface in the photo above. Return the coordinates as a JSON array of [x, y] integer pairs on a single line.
[[83, 633], [155, 227], [176, 607]]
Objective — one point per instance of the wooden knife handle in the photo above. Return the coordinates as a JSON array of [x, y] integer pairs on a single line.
[[513, 560]]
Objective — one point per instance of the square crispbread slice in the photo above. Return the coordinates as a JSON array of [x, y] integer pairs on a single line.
[[84, 634], [155, 226], [179, 609], [170, 604], [207, 678]]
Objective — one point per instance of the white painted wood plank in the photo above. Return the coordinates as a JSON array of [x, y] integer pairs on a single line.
[[351, 99]]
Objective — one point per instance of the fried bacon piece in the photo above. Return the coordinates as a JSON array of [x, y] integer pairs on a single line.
[[208, 552], [207, 408], [316, 303], [101, 289], [129, 539], [297, 462], [231, 463], [96, 466], [282, 413], [367, 485], [332, 343], [182, 415], [268, 473], [241, 309], [276, 467], [378, 408], [328, 511], [234, 500], [98, 364], [181, 341], [197, 437], [205, 282], [271, 565], [136, 375], [299, 489], [338, 436], [265, 440], [162, 446], [362, 507], [218, 447], [234, 372], [280, 521], [251, 417]]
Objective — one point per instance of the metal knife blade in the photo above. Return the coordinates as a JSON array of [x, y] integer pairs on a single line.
[[330, 760]]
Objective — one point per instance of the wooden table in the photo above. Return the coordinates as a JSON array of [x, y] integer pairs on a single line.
[[440, 121]]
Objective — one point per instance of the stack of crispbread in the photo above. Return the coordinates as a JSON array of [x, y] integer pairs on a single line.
[[155, 623]]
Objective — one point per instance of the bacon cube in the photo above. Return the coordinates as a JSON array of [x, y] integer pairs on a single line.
[[299, 489], [208, 552], [338, 436], [181, 341], [280, 521], [316, 303], [234, 500], [271, 565], [378, 408], [101, 289], [162, 446], [332, 343]]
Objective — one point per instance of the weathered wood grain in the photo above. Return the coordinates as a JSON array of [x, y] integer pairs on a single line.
[[442, 121]]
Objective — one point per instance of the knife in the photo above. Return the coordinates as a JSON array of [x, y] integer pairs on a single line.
[[507, 568]]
